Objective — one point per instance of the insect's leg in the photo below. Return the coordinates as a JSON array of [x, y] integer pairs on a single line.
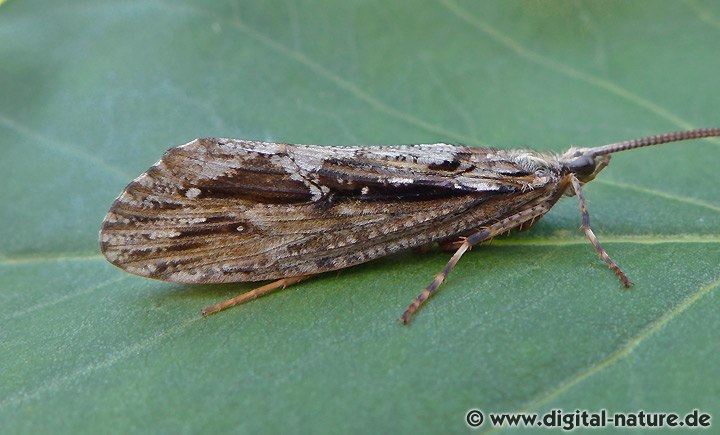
[[485, 234], [254, 294], [585, 226]]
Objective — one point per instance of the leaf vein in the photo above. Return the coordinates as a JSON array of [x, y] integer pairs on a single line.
[[55, 145], [624, 351], [83, 372], [53, 302], [329, 75], [563, 69], [686, 200]]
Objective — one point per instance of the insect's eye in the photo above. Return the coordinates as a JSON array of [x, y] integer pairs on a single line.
[[583, 165]]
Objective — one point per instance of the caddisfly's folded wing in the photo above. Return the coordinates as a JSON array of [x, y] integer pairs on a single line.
[[224, 210]]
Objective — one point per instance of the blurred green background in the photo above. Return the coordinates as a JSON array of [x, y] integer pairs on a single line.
[[92, 93]]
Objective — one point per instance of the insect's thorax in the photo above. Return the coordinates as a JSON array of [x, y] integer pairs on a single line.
[[524, 169]]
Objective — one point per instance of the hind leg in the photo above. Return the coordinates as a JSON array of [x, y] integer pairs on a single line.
[[254, 294]]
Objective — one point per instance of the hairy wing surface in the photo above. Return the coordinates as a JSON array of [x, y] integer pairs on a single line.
[[223, 210]]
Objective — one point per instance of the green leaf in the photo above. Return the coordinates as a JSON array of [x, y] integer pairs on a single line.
[[92, 93]]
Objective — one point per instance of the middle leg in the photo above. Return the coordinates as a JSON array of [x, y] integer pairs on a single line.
[[488, 233]]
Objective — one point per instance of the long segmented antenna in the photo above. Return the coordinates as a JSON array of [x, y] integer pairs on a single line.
[[654, 140]]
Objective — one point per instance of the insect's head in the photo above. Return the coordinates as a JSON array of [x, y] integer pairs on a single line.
[[583, 163]]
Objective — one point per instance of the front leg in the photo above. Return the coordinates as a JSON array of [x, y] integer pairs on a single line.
[[585, 226]]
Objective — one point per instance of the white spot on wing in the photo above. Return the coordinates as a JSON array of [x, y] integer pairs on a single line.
[[189, 221], [193, 192], [163, 234]]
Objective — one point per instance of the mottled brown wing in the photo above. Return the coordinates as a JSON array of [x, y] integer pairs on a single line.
[[223, 210]]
